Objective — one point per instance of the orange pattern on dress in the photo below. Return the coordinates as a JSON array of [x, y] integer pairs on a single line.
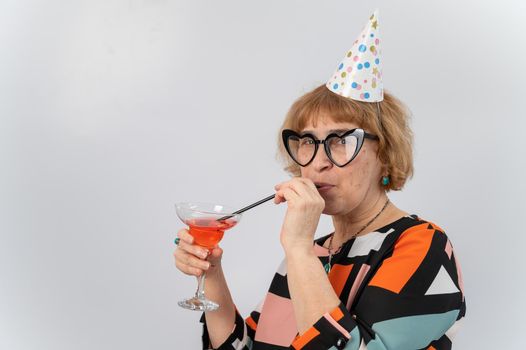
[[338, 276], [305, 338], [251, 323], [408, 254]]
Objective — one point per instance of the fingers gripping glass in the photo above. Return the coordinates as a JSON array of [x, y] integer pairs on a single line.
[[341, 149]]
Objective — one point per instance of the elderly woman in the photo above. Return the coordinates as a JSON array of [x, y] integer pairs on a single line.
[[383, 279]]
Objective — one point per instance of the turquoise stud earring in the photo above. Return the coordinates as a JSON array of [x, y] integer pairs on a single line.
[[385, 180]]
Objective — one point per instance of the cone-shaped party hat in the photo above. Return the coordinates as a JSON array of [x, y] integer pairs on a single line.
[[359, 75]]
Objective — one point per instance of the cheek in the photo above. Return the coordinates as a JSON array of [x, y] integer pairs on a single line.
[[359, 171]]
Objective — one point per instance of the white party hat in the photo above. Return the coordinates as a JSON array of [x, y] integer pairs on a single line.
[[359, 74]]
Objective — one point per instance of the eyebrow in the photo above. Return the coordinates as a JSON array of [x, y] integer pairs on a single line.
[[337, 131]]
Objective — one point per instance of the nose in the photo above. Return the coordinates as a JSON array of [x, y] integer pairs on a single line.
[[321, 161]]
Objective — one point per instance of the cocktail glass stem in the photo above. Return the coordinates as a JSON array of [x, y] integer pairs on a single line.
[[199, 301], [200, 292]]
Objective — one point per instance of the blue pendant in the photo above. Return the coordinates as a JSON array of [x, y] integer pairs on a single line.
[[327, 267]]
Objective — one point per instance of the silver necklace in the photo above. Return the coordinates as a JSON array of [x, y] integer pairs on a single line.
[[328, 265]]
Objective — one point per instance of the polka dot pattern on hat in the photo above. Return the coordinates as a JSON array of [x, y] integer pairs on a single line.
[[359, 74]]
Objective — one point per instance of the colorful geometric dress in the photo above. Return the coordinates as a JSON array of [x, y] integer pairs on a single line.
[[400, 287]]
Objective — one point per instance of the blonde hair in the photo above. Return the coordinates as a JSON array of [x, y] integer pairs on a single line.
[[395, 147]]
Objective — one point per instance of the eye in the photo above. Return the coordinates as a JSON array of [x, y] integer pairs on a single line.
[[337, 141], [307, 141]]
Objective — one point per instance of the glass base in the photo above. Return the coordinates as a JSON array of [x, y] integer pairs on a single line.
[[198, 304]]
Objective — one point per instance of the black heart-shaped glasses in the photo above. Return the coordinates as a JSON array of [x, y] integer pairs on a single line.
[[340, 149]]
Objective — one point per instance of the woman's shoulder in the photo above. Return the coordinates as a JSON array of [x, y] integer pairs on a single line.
[[414, 225], [413, 233], [416, 234]]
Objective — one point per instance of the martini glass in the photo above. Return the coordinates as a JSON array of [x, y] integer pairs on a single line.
[[207, 224]]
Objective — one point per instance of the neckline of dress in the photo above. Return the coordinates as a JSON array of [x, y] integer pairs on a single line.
[[321, 241]]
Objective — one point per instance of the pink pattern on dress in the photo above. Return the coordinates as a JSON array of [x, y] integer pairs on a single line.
[[277, 324], [449, 249], [357, 283]]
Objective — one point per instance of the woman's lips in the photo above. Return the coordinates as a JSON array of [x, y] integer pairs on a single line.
[[322, 187]]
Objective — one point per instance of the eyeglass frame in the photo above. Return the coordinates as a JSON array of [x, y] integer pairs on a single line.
[[360, 137]]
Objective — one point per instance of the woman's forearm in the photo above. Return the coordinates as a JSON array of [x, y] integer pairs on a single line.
[[311, 292], [220, 322]]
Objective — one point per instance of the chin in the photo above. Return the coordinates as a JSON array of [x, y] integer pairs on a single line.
[[330, 210]]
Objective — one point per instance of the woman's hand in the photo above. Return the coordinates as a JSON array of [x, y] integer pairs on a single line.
[[305, 206], [194, 260]]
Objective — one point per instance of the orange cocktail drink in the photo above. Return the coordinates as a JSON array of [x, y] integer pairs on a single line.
[[208, 232]]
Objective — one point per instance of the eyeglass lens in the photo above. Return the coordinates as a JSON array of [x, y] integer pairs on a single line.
[[342, 149]]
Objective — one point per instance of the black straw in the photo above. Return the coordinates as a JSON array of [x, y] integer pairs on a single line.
[[250, 207], [247, 207]]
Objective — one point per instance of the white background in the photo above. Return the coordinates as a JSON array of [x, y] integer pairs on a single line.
[[112, 111]]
